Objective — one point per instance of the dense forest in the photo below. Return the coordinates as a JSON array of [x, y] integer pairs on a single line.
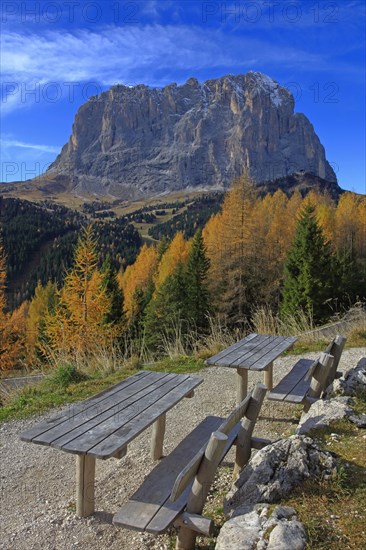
[[194, 217], [291, 255], [39, 243]]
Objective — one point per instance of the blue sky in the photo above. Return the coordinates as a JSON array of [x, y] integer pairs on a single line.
[[54, 55]]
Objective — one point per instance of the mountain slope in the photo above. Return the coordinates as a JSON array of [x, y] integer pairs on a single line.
[[138, 141]]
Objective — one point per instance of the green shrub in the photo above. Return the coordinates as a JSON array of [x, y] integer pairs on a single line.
[[66, 374]]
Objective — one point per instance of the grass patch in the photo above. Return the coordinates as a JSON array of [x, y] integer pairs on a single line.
[[333, 512], [181, 365]]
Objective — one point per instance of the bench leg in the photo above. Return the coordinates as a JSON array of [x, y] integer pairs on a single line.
[[268, 377], [242, 384], [85, 478], [157, 440]]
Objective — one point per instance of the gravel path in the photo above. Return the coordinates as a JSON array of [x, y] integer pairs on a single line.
[[38, 483]]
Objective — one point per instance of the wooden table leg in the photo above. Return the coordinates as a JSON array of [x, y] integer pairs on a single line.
[[85, 479], [242, 384], [268, 376], [157, 440]]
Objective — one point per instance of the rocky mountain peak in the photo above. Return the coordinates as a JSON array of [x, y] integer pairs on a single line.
[[138, 141]]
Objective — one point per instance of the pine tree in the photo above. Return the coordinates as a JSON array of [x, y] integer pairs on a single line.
[[116, 313], [309, 269], [198, 297], [167, 311]]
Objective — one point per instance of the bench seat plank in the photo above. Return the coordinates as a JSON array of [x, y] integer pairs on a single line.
[[293, 385], [150, 508]]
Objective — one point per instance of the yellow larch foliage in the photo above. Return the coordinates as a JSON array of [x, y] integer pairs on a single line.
[[138, 276], [232, 245], [78, 321], [176, 253], [349, 223]]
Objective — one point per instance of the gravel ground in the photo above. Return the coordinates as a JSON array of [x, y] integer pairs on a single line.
[[38, 483]]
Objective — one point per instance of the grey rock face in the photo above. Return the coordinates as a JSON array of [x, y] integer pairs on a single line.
[[322, 413], [250, 530], [135, 141], [275, 471]]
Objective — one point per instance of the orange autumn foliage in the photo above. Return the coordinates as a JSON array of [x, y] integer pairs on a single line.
[[138, 276]]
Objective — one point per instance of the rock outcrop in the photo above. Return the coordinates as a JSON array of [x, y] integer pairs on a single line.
[[139, 141], [351, 383], [255, 530], [275, 471], [323, 412]]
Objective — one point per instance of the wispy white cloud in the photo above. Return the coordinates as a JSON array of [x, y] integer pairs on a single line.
[[11, 143], [129, 56]]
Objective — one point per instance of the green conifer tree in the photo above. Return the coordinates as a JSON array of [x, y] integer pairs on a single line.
[[309, 270], [115, 314], [198, 297], [166, 312]]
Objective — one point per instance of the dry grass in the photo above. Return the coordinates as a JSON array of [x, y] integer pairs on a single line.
[[352, 325], [333, 512]]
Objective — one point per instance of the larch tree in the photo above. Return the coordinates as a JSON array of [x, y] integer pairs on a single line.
[[79, 322], [309, 270], [232, 249], [177, 252], [42, 304], [137, 281]]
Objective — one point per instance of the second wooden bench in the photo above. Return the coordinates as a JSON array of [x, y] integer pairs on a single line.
[[308, 379]]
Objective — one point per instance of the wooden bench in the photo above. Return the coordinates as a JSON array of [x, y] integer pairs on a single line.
[[174, 493], [308, 379]]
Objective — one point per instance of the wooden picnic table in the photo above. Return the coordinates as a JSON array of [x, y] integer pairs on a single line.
[[103, 425], [254, 352]]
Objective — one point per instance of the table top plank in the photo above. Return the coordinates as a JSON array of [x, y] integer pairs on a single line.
[[97, 418], [261, 359], [246, 350], [84, 407], [215, 358], [254, 352], [121, 424], [140, 422], [108, 407], [265, 346]]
